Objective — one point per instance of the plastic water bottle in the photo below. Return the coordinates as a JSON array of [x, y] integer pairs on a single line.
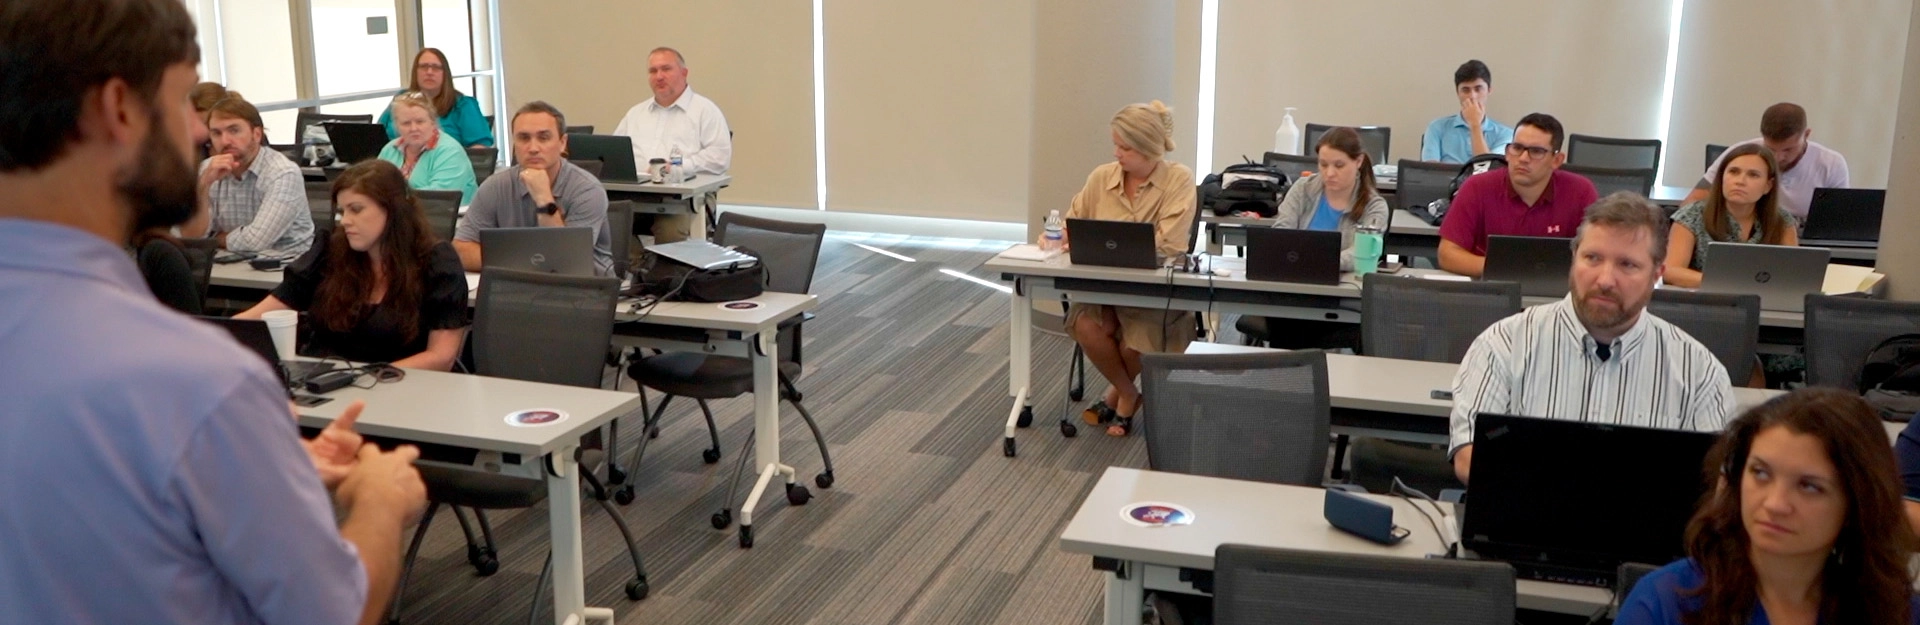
[[1286, 140], [1054, 236], [677, 175]]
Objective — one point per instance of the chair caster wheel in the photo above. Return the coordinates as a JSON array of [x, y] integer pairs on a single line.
[[746, 537], [615, 476], [1006, 447], [1068, 430], [484, 560], [710, 456], [653, 431], [798, 495], [623, 496], [638, 589], [824, 480], [722, 519], [1076, 394], [1026, 417]]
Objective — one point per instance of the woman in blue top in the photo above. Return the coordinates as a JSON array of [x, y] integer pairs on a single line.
[[1803, 525], [459, 113], [1341, 197], [426, 154]]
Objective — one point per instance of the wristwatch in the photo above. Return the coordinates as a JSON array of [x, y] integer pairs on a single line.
[[550, 208]]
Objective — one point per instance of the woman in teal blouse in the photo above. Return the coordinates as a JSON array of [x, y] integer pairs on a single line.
[[459, 113], [428, 156]]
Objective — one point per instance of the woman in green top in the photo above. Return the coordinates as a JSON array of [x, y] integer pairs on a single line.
[[425, 154], [1744, 207], [459, 113]]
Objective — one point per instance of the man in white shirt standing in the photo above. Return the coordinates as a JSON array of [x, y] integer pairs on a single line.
[[1595, 355], [676, 118], [1804, 165]]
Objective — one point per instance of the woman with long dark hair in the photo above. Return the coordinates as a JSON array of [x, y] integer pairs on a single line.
[[1802, 525], [380, 288], [459, 113], [1744, 207]]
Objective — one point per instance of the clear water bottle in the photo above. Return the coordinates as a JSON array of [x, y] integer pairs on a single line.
[[675, 173], [1055, 236]]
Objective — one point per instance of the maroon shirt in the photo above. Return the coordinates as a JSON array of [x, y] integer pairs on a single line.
[[1487, 205]]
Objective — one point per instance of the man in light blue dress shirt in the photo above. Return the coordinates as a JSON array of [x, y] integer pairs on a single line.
[[150, 469], [1468, 133]]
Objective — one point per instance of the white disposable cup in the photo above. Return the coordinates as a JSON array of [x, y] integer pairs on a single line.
[[283, 325]]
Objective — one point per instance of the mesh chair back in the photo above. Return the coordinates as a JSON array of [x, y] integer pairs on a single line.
[[1607, 181], [1374, 139], [1611, 153], [543, 327], [580, 130], [320, 204], [620, 223], [293, 152], [200, 253], [442, 207], [593, 167], [1840, 331], [788, 249], [485, 160], [1291, 165], [1713, 154], [304, 119], [1422, 182], [1261, 417], [1727, 324], [1431, 320], [1263, 585]]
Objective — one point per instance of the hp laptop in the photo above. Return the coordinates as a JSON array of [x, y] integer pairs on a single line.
[[1539, 264], [1287, 255], [253, 334], [547, 250], [1844, 218], [615, 154], [353, 142], [1104, 243], [1555, 499], [1782, 276]]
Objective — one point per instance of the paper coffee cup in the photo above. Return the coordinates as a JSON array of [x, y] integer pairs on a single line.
[[284, 325]]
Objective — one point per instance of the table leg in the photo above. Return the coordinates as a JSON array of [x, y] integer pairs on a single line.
[[1019, 363], [1126, 593], [698, 230], [766, 430], [563, 523]]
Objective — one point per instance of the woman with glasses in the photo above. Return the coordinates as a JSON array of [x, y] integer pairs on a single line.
[[1743, 207], [379, 289], [428, 156], [1803, 524], [459, 113]]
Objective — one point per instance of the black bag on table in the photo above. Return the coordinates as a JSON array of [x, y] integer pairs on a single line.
[[1244, 188]]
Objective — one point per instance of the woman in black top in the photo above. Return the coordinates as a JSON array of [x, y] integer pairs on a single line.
[[379, 289]]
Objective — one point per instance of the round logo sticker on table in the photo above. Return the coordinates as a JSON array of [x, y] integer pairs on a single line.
[[536, 417], [740, 305], [1156, 514]]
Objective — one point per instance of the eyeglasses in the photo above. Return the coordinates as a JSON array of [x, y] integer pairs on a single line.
[[432, 66], [1531, 151]]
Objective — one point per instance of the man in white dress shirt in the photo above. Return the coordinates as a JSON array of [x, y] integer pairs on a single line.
[[1596, 355], [676, 118]]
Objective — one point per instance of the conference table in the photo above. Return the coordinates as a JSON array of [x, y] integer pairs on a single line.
[[453, 413], [668, 198]]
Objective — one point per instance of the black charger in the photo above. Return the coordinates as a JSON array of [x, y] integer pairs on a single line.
[[331, 381]]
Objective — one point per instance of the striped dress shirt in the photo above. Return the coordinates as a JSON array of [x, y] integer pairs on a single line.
[[265, 210], [1542, 363]]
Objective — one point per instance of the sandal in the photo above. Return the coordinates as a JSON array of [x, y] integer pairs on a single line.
[[1099, 414], [1120, 427]]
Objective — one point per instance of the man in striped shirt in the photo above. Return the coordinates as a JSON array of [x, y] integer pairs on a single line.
[[1596, 355]]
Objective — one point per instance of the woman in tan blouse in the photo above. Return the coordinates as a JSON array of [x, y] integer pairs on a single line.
[[1138, 186]]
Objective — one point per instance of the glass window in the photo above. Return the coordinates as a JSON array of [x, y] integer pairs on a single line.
[[257, 47], [356, 48]]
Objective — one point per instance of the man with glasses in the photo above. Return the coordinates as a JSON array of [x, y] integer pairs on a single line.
[[1529, 197]]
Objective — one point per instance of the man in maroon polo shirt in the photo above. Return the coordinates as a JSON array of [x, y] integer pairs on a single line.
[[1529, 197]]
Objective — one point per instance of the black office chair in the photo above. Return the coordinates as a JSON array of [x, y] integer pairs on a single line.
[[593, 166], [1727, 324], [305, 119], [1607, 181], [580, 130], [1421, 183], [538, 327], [485, 160], [1262, 416], [1612, 153], [1268, 586], [1375, 139], [293, 153], [620, 224], [1291, 165], [1713, 154], [320, 205], [1841, 330], [442, 207], [789, 250], [200, 253]]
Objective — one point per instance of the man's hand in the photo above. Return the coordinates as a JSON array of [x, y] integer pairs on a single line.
[[538, 185], [335, 451], [384, 482], [1474, 111], [218, 165]]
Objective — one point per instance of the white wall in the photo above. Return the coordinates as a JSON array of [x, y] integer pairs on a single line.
[[259, 58]]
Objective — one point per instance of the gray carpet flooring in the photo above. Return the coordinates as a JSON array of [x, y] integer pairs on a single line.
[[927, 523]]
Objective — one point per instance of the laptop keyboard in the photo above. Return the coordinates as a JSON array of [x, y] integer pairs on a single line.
[[1837, 243], [1563, 574]]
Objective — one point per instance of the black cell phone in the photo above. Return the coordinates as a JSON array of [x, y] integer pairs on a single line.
[[1391, 267], [309, 401], [1441, 395]]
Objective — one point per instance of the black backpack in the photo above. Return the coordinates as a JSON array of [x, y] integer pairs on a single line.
[[1244, 187], [1890, 377], [1437, 211]]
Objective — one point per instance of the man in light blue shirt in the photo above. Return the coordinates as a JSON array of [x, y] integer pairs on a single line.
[[1468, 133], [150, 469]]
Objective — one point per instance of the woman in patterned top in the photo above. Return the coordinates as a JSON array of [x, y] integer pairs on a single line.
[[1744, 207]]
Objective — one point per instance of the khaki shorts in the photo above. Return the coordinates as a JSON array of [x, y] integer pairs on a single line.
[[1145, 330]]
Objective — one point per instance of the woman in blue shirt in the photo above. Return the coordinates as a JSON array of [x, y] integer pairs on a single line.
[[1340, 197], [1804, 524], [459, 113]]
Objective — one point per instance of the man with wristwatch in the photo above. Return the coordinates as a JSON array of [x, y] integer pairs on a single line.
[[542, 189]]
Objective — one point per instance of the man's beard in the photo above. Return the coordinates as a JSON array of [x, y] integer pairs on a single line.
[[160, 189]]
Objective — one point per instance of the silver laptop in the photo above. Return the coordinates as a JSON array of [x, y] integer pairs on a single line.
[[1782, 276], [566, 251], [703, 254]]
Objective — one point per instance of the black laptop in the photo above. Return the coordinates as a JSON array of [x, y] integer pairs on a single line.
[[355, 142], [1103, 243], [566, 251], [254, 335], [1844, 218], [614, 152], [1288, 255], [1539, 264], [1569, 501]]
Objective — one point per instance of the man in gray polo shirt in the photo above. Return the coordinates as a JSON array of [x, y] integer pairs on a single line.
[[542, 189]]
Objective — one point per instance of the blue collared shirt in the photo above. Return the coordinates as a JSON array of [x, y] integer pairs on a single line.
[[149, 469], [1447, 140]]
